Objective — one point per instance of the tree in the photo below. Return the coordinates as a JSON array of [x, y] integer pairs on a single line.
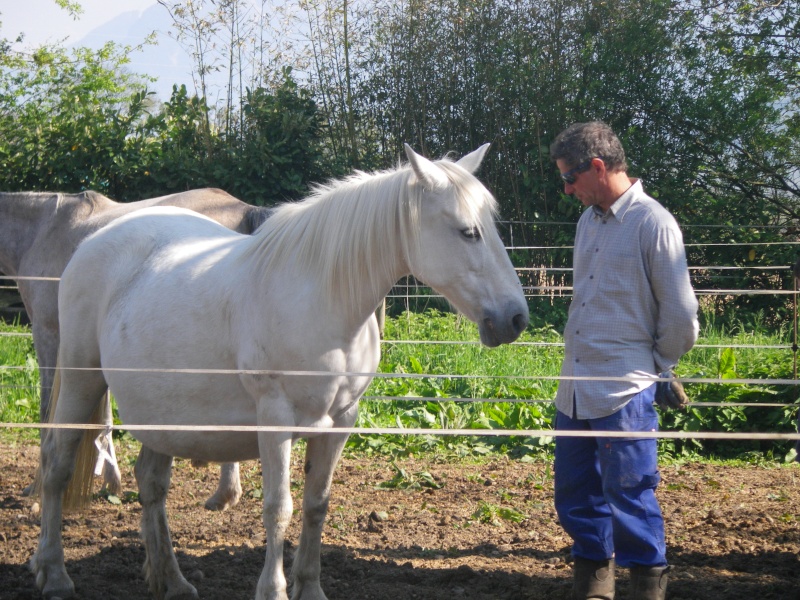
[[66, 118]]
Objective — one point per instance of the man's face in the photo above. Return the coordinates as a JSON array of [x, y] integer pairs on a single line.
[[584, 181]]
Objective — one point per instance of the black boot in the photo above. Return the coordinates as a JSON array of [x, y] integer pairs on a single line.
[[649, 583], [593, 580]]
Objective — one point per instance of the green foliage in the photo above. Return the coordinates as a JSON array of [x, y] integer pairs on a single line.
[[463, 385], [743, 352], [456, 377], [66, 119], [77, 121], [19, 387], [277, 150]]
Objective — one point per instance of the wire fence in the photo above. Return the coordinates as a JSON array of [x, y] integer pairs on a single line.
[[409, 290]]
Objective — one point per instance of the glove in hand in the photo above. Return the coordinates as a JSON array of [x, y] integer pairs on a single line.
[[670, 394]]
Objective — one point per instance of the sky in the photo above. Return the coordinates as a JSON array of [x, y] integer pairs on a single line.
[[43, 20], [126, 22]]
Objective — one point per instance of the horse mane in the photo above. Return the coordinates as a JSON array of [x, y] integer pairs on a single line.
[[89, 198], [353, 230], [256, 216]]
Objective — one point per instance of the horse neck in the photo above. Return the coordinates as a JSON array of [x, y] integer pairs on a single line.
[[22, 215], [347, 238]]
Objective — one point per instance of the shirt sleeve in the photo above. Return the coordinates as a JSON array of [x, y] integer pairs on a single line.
[[677, 327]]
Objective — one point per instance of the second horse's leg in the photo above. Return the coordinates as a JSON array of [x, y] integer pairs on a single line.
[[229, 490]]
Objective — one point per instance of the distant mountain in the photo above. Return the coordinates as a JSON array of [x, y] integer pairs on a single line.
[[167, 60]]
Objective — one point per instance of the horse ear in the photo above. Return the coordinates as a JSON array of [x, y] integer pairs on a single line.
[[428, 174], [472, 161]]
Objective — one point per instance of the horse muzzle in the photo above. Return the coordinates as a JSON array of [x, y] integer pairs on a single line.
[[503, 327]]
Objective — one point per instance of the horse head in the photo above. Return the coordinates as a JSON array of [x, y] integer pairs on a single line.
[[457, 250]]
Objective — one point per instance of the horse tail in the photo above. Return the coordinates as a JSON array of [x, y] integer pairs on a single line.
[[78, 494]]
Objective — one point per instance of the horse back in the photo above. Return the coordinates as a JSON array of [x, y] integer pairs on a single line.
[[214, 203], [147, 245]]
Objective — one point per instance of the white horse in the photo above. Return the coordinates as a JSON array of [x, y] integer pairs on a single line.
[[285, 319]]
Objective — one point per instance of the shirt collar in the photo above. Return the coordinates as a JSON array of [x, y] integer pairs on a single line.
[[621, 204]]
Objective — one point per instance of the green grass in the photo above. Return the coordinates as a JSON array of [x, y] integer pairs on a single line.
[[19, 387], [446, 386], [744, 353]]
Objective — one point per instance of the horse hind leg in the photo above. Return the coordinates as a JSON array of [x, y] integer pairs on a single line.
[[59, 452], [57, 464], [153, 471], [229, 491]]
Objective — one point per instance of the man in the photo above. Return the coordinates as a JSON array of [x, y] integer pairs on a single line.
[[632, 316]]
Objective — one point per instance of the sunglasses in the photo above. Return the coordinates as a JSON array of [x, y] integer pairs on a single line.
[[571, 176]]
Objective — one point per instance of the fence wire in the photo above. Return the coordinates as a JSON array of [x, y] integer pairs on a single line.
[[560, 291]]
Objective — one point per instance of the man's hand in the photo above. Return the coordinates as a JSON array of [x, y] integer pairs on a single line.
[[670, 394]]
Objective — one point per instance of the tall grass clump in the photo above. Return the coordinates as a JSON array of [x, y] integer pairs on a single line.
[[444, 377], [19, 376], [742, 348]]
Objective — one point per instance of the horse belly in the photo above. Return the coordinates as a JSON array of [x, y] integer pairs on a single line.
[[206, 446], [187, 400]]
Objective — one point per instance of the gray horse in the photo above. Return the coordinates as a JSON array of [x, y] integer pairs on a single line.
[[39, 232]]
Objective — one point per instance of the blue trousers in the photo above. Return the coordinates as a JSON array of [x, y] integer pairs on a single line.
[[605, 487]]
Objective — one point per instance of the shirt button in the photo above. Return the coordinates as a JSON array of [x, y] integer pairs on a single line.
[[591, 276]]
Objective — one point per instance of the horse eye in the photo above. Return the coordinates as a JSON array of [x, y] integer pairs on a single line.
[[471, 233]]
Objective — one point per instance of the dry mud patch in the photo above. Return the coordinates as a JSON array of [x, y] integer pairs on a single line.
[[733, 532]]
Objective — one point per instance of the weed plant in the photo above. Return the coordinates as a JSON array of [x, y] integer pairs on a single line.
[[443, 375]]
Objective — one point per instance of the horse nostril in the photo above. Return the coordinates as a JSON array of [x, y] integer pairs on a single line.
[[520, 322]]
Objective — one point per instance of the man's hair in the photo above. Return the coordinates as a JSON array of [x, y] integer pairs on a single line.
[[584, 141]]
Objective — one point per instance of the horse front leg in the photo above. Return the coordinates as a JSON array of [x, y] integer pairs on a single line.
[[229, 491], [275, 450], [161, 569], [322, 455], [45, 340]]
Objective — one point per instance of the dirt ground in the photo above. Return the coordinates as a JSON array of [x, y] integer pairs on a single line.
[[440, 530]]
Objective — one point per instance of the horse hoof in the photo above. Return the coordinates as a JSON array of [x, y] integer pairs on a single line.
[[56, 587], [223, 501], [112, 479], [58, 595], [184, 596], [30, 490], [185, 592]]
